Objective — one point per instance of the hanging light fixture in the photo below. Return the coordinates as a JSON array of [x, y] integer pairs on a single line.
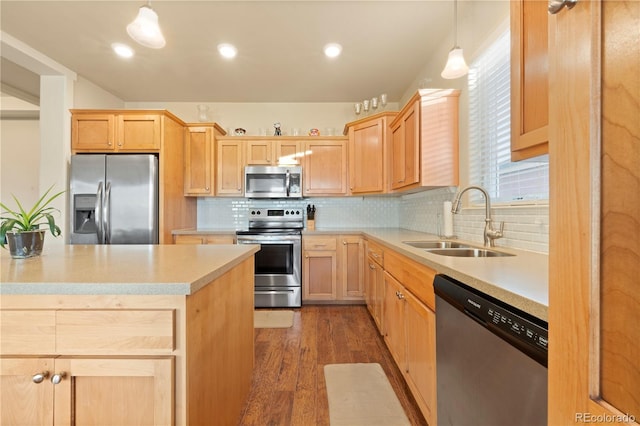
[[456, 66], [145, 29]]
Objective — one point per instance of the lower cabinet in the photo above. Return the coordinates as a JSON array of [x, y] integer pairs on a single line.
[[394, 319], [333, 268], [86, 390], [204, 239], [409, 327], [420, 325]]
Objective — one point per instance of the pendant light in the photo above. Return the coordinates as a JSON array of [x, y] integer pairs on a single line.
[[456, 66], [145, 29]]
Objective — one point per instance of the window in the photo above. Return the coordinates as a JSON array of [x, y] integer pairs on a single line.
[[490, 133]]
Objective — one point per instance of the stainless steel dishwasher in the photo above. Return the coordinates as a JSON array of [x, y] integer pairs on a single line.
[[491, 360]]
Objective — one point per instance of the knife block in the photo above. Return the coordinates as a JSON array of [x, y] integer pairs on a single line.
[[311, 224]]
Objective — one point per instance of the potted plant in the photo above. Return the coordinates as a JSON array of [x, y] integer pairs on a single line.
[[21, 228]]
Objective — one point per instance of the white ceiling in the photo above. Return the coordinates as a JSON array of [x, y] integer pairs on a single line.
[[385, 46]]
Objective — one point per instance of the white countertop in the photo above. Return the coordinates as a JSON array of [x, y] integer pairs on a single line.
[[120, 269]]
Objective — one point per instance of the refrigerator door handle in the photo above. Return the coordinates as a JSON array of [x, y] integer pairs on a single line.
[[107, 213], [98, 214]]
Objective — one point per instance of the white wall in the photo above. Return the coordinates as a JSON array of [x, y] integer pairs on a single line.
[[254, 116], [19, 160], [87, 95]]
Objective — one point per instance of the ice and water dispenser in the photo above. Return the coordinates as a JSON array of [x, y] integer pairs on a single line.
[[84, 214]]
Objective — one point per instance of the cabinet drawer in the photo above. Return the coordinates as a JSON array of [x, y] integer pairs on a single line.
[[375, 252], [416, 278], [319, 243], [27, 332], [121, 332]]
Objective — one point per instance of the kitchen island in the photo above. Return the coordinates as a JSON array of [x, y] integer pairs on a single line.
[[123, 335]]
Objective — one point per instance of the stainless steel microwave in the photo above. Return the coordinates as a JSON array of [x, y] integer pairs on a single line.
[[273, 182]]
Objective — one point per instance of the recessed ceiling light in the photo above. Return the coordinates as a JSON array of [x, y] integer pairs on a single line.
[[332, 50], [122, 50], [227, 50]]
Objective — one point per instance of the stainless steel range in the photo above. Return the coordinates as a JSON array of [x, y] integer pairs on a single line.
[[278, 264]]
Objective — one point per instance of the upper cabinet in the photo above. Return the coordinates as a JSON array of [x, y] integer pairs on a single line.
[[529, 79], [325, 166], [424, 144], [260, 151], [114, 131], [199, 158], [368, 140], [230, 167]]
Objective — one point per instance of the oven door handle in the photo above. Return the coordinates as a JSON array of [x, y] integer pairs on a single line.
[[280, 240], [273, 291]]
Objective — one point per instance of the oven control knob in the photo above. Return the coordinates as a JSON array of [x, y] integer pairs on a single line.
[[258, 212]]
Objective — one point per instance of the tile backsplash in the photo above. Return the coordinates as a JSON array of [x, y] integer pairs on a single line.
[[526, 227]]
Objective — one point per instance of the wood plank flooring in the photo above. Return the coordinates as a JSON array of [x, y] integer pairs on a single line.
[[288, 382]]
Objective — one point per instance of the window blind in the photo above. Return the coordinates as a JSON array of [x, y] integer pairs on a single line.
[[490, 163]]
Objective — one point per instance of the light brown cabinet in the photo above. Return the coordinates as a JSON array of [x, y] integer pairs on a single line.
[[529, 79], [129, 359], [333, 269], [199, 159], [374, 283], [420, 323], [408, 322], [204, 239], [325, 167], [61, 391], [320, 268], [424, 152], [368, 140], [351, 268], [267, 152], [104, 131], [405, 147], [594, 309], [394, 322], [229, 167]]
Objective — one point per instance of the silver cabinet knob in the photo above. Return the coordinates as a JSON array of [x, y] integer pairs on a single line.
[[57, 378], [556, 6], [39, 377]]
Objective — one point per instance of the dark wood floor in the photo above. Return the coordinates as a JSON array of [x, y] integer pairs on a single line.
[[288, 382]]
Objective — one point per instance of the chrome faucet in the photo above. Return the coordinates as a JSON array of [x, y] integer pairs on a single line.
[[490, 234]]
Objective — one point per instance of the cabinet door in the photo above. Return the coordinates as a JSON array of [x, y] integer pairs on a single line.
[[394, 324], [288, 152], [259, 152], [198, 161], [351, 268], [25, 399], [405, 157], [188, 239], [325, 167], [374, 292], [114, 391], [230, 168], [421, 355], [320, 275], [529, 79], [138, 132], [366, 157], [93, 132]]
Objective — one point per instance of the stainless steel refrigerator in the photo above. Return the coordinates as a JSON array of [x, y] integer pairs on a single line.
[[114, 199]]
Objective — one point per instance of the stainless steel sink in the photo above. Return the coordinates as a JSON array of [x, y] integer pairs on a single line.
[[469, 252], [436, 244]]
